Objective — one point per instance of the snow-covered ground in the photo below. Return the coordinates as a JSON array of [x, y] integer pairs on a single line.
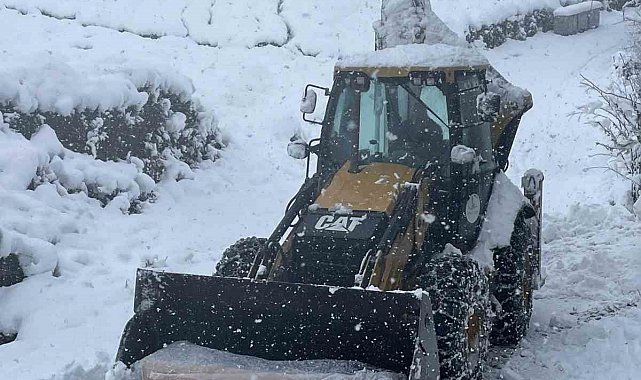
[[586, 322], [587, 318], [278, 22]]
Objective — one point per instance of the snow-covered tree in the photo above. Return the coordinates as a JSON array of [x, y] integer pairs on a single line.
[[618, 111]]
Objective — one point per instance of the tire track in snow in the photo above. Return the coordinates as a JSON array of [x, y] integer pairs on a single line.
[[588, 312]]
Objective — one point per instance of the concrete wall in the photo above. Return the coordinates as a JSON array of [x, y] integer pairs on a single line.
[[568, 23]]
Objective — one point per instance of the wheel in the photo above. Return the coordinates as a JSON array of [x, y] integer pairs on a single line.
[[239, 257], [459, 293], [512, 286]]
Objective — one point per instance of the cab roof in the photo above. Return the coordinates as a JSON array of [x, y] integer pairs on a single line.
[[403, 59]]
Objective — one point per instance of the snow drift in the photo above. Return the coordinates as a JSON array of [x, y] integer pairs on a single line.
[[58, 177]]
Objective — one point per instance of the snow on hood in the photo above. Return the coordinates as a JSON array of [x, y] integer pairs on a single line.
[[61, 88], [417, 55]]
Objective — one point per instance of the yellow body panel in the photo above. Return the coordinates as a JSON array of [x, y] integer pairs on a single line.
[[374, 188], [401, 72], [388, 271]]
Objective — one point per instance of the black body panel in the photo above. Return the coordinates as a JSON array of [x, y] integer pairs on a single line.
[[328, 248]]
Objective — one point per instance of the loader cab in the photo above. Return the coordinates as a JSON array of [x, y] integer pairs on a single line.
[[410, 144], [386, 119], [408, 117], [429, 120]]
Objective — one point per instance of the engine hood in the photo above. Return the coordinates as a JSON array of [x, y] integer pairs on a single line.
[[374, 188]]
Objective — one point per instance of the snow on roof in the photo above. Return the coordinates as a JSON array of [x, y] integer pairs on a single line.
[[417, 55], [575, 9], [59, 87]]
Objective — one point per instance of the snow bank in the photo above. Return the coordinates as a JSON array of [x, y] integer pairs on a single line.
[[146, 17], [331, 27], [219, 23], [19, 160], [504, 205], [587, 321], [52, 173], [57, 87], [404, 22]]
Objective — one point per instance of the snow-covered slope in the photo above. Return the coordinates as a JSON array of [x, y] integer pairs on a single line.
[[327, 27], [553, 137], [70, 325]]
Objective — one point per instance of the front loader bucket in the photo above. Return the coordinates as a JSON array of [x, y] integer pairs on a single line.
[[282, 321]]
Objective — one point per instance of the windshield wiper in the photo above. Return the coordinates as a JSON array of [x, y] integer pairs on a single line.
[[417, 98]]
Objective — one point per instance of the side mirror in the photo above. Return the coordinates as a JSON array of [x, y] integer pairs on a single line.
[[489, 106], [308, 103], [298, 149]]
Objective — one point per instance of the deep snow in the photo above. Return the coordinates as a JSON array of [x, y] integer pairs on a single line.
[[69, 326]]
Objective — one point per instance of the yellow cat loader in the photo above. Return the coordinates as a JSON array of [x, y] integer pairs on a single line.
[[371, 264]]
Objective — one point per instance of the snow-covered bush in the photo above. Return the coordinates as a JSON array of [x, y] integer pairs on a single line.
[[621, 4], [46, 190], [112, 113], [26, 164], [516, 28], [493, 24], [618, 114]]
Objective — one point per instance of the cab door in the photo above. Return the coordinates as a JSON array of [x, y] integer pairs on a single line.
[[473, 172]]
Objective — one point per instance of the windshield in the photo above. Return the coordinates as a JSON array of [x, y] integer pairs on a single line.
[[393, 121]]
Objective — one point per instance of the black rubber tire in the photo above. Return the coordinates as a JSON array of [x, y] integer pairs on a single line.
[[458, 290], [239, 257], [512, 286]]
